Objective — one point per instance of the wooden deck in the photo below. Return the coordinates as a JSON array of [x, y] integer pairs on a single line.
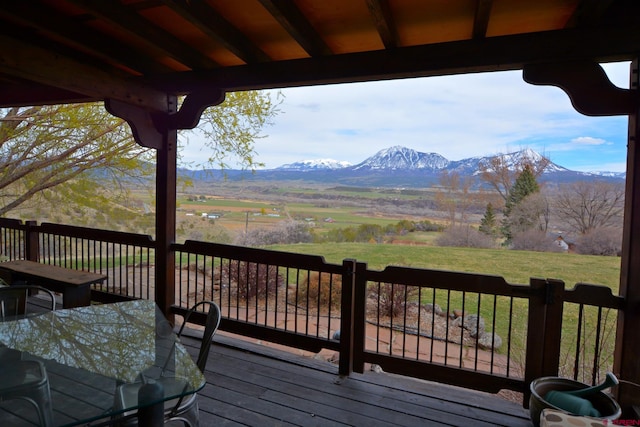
[[250, 384]]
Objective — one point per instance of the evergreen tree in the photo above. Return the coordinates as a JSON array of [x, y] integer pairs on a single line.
[[488, 221], [524, 186]]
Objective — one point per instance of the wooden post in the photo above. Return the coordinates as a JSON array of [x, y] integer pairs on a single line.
[[156, 130], [554, 306], [535, 334], [159, 130], [345, 366], [627, 352], [166, 182], [31, 241], [359, 316]]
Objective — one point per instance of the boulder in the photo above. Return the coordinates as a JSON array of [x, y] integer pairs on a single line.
[[433, 308], [472, 323], [489, 341]]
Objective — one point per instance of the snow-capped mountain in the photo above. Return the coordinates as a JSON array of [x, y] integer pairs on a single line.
[[403, 167], [472, 165], [621, 175], [319, 164], [402, 158]]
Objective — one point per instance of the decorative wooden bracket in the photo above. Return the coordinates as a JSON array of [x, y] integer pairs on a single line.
[[148, 127], [140, 121], [590, 90]]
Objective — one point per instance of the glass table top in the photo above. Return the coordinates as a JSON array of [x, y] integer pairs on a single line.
[[90, 351]]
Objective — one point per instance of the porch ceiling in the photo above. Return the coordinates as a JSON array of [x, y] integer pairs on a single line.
[[137, 51]]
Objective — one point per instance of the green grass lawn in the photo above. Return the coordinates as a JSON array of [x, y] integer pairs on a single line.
[[515, 266]]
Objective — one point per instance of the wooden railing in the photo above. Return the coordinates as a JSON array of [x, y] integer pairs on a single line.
[[470, 330]]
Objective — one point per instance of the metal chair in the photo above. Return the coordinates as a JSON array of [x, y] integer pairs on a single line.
[[14, 300], [19, 378], [184, 409], [26, 380]]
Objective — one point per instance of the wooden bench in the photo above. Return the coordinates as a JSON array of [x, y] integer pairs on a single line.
[[74, 285]]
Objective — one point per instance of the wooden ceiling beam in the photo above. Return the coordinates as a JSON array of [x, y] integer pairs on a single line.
[[383, 19], [588, 13], [297, 25], [479, 55], [30, 63], [481, 18], [131, 23], [71, 32], [207, 20], [24, 95]]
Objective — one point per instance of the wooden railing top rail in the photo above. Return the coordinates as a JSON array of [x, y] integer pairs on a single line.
[[122, 237], [597, 295], [452, 280], [260, 256], [12, 223]]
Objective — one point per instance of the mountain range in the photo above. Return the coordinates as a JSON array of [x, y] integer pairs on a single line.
[[399, 166]]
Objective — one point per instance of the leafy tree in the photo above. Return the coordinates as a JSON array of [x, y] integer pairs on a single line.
[[42, 148], [585, 206], [454, 196], [81, 155], [233, 126], [532, 212], [502, 171]]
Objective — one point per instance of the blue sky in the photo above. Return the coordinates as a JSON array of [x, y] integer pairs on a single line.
[[455, 116]]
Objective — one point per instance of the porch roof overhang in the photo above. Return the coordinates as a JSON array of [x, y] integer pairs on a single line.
[[138, 51]]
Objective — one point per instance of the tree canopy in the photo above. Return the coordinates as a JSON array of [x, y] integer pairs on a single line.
[[80, 154]]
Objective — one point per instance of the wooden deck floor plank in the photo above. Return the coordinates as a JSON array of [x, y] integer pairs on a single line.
[[248, 388], [422, 388], [360, 396], [328, 396], [442, 393], [250, 410]]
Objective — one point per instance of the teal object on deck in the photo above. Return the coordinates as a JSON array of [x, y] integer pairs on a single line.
[[576, 401]]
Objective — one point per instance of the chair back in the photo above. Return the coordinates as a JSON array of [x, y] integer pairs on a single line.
[[211, 325], [13, 299]]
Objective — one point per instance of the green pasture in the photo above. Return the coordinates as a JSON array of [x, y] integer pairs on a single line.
[[517, 267]]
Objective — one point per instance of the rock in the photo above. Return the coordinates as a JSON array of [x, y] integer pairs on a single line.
[[489, 341], [472, 323], [433, 308], [376, 368]]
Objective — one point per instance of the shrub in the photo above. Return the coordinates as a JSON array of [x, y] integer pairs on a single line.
[[534, 240], [465, 236], [391, 298], [251, 280], [322, 290], [600, 241], [286, 232]]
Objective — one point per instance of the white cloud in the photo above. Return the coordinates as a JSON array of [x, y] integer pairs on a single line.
[[587, 140]]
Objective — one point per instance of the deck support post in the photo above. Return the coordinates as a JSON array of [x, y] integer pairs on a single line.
[[159, 130], [627, 353], [592, 94]]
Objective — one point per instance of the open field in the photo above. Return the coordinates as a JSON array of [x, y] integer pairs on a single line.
[[515, 266]]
